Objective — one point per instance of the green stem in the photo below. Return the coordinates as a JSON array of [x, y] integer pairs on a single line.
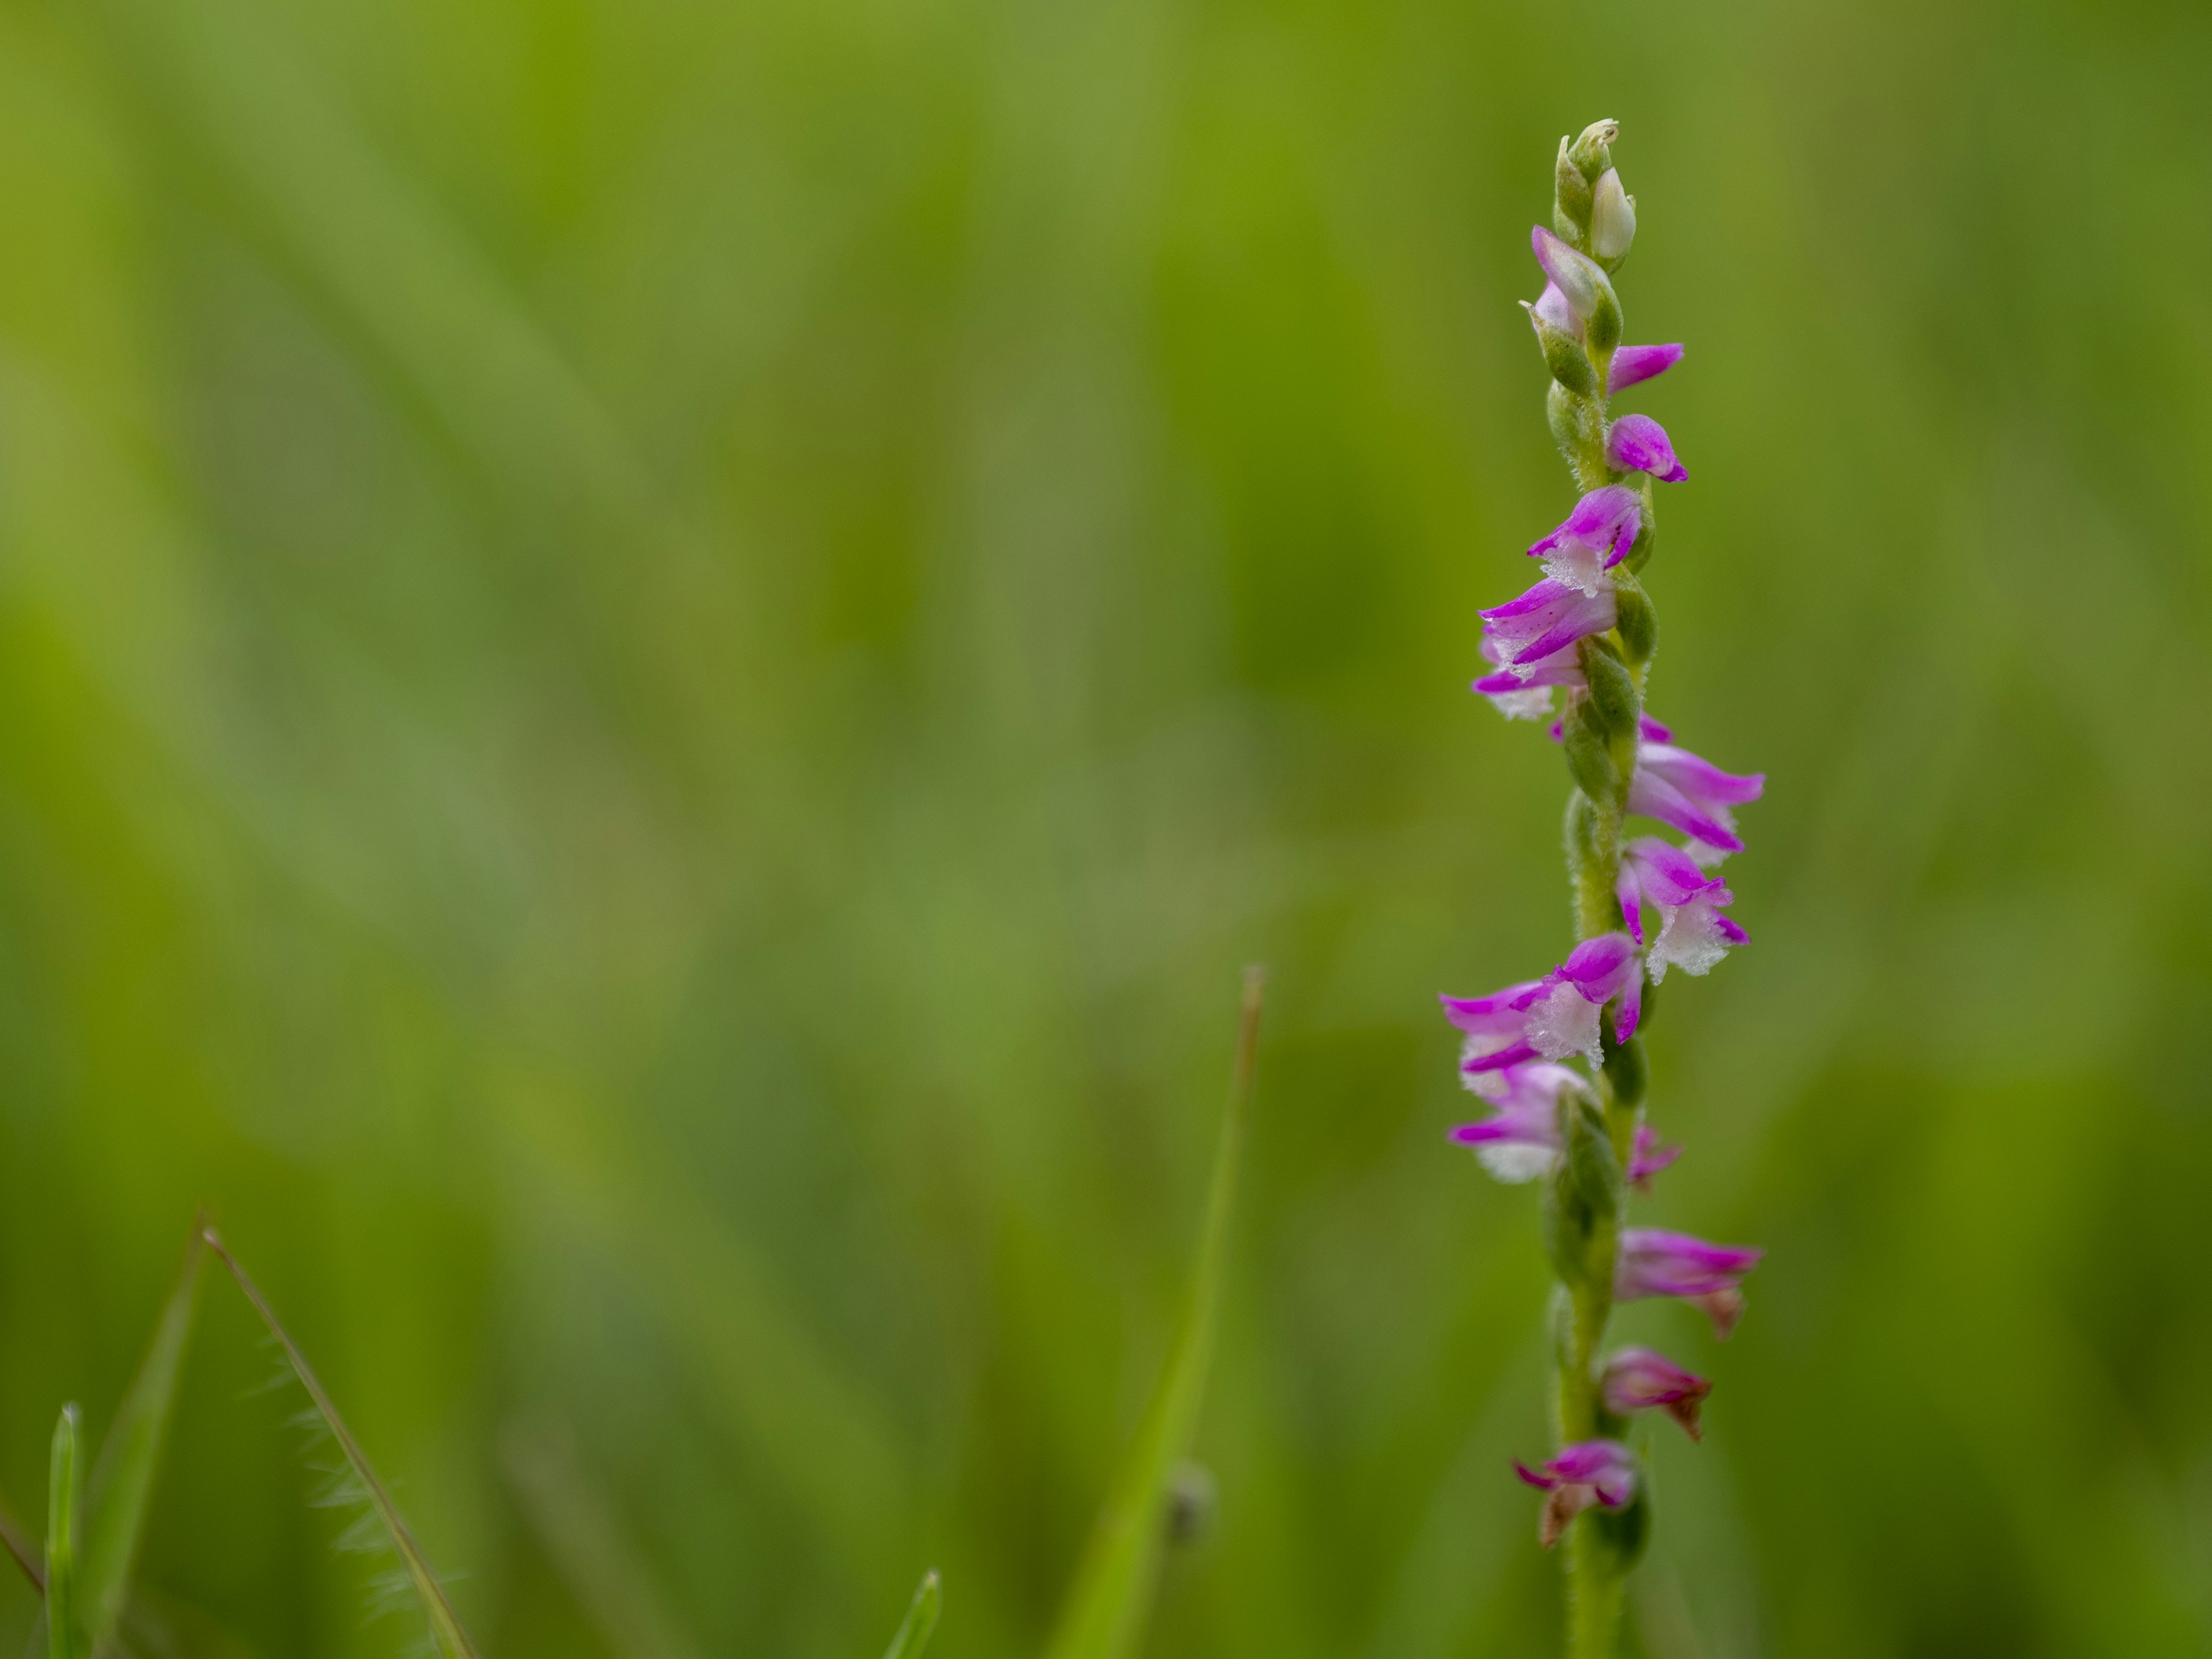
[[1593, 1596]]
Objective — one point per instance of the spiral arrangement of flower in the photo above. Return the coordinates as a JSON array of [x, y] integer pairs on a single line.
[[1586, 634]]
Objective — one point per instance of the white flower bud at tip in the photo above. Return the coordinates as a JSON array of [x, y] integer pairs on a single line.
[[1613, 218]]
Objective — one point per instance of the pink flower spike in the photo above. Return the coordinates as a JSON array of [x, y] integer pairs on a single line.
[[1655, 1263], [1639, 1379], [1589, 1472], [1633, 364], [1638, 444], [1649, 1159], [1595, 537]]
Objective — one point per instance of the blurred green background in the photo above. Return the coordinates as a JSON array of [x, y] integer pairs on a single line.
[[657, 659]]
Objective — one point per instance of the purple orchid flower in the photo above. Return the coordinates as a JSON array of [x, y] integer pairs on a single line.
[[1554, 1016], [1550, 616], [1639, 1379], [1648, 1157], [1587, 1472], [1522, 1141], [1654, 1263], [1632, 364], [1690, 793], [1637, 443], [1693, 933], [1595, 537], [1525, 693]]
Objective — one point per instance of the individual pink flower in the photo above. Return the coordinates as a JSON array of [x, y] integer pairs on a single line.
[[1594, 538], [1525, 693], [1654, 1263], [1581, 281], [1637, 443], [1692, 932], [1631, 364], [1690, 793], [1550, 616], [1521, 1140], [1601, 1471], [1556, 1016], [1639, 1379]]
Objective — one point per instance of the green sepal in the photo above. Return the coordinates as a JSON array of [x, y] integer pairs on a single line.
[[1634, 619], [1582, 1207], [1589, 759], [1647, 533], [1626, 1071], [1602, 325], [1591, 153], [1564, 356], [1578, 428], [1612, 704], [1571, 199]]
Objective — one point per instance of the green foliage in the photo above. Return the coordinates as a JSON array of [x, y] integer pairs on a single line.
[[920, 1619], [451, 1641], [1104, 1615], [64, 1500], [122, 1485]]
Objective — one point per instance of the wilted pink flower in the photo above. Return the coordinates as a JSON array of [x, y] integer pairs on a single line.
[[1595, 537], [1650, 1157], [1655, 1263], [1521, 1140], [1693, 933], [1639, 1379], [1554, 1016], [1589, 1472]]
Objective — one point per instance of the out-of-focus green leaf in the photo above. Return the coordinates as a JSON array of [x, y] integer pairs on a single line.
[[64, 1487], [587, 1543], [452, 1642], [17, 1542], [123, 1480], [920, 1619], [1105, 1610]]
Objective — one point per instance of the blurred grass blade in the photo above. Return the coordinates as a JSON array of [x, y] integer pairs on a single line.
[[64, 1486], [17, 1542], [123, 1480], [452, 1641], [920, 1618], [1106, 1607], [579, 1531]]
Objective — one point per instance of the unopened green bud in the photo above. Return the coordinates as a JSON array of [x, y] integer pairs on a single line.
[[1624, 1068], [1563, 355], [1613, 219], [1590, 153], [1571, 198], [1583, 1201], [1601, 327], [1613, 705], [1638, 622], [1589, 759]]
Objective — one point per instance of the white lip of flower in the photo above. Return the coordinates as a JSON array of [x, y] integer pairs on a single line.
[[1565, 1024], [1580, 566], [1487, 1086], [1690, 939], [1515, 1161], [1532, 703]]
